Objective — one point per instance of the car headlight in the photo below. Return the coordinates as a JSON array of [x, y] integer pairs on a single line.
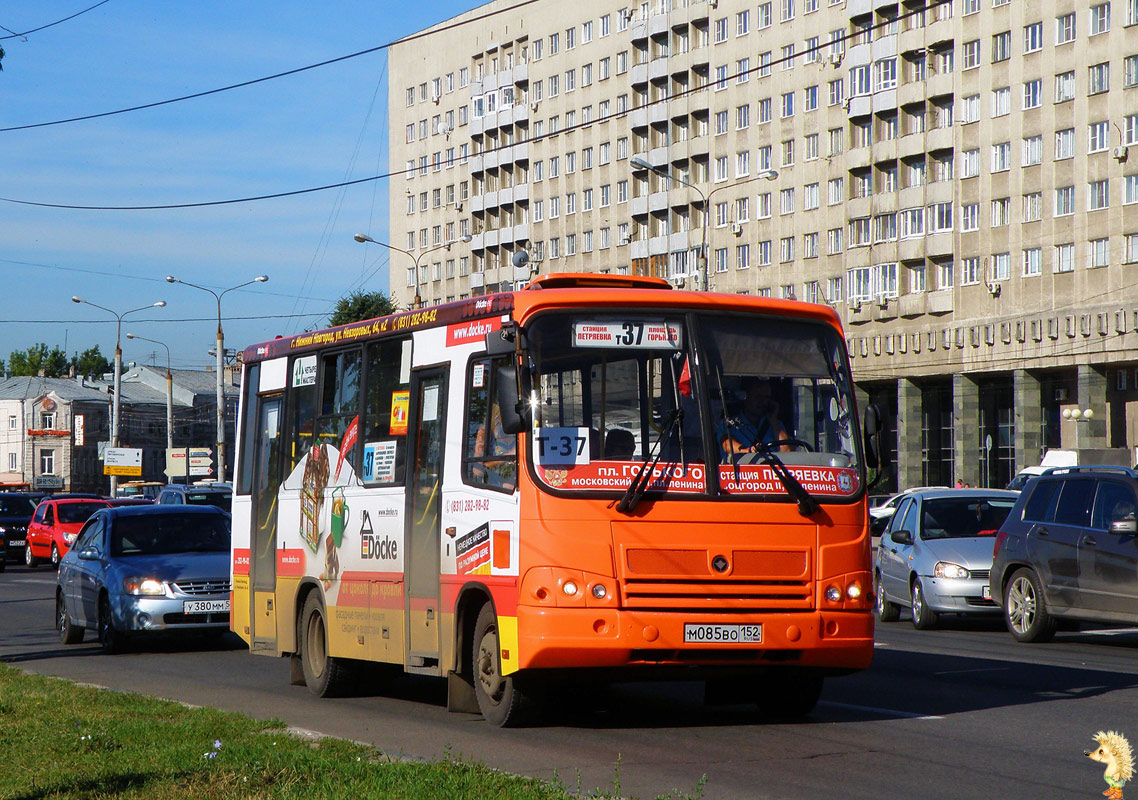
[[946, 569], [144, 586], [69, 537]]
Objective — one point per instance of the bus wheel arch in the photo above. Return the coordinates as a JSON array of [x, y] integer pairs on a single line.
[[324, 674]]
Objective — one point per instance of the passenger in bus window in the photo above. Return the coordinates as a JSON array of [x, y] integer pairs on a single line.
[[620, 444], [495, 472], [757, 423]]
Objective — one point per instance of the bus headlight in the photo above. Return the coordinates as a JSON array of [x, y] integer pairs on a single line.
[[599, 591], [833, 594], [570, 588], [853, 591]]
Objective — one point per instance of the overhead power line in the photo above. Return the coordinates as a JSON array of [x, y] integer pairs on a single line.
[[392, 173], [21, 35], [274, 77]]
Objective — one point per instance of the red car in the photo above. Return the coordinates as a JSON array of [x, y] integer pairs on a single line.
[[53, 528]]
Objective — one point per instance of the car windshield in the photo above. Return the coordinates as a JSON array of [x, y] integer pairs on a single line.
[[962, 517], [16, 507], [221, 500], [164, 534], [71, 513], [616, 391]]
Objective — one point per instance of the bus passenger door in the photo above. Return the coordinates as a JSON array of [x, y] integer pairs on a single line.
[[263, 558], [424, 517]]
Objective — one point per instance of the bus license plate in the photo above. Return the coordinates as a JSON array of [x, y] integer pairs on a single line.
[[722, 634], [204, 606]]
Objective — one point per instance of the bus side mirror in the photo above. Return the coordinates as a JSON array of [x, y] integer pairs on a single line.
[[513, 409], [502, 342], [875, 457]]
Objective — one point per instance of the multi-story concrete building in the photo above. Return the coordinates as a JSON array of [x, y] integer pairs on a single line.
[[958, 178]]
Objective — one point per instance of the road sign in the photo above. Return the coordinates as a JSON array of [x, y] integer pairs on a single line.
[[123, 461], [184, 461]]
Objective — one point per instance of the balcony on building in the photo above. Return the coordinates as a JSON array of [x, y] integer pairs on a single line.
[[940, 302]]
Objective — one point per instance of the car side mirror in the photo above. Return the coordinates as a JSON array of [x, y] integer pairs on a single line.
[[902, 537], [89, 554], [1124, 526]]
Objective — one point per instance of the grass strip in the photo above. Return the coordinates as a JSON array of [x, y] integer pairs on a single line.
[[62, 741]]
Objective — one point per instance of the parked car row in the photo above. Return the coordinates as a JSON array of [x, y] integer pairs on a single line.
[[37, 528], [1063, 548]]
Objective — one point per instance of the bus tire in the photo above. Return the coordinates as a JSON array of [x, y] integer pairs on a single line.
[[791, 693], [503, 702], [324, 675]]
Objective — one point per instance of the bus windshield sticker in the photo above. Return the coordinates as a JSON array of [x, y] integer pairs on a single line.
[[761, 479], [379, 462], [560, 447], [430, 404], [479, 377], [639, 334], [400, 400], [304, 371]]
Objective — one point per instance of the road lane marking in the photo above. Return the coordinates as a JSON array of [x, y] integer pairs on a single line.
[[889, 712], [977, 669], [33, 580], [1111, 632]]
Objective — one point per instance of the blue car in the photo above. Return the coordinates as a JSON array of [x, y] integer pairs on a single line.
[[145, 570]]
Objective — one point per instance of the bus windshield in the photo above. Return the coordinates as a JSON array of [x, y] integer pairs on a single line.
[[715, 403]]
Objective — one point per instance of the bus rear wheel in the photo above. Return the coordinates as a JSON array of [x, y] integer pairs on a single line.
[[503, 701], [325, 675]]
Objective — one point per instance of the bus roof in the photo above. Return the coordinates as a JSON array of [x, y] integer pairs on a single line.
[[587, 290]]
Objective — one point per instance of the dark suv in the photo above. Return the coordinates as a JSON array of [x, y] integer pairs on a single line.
[[1068, 550], [16, 509], [209, 494]]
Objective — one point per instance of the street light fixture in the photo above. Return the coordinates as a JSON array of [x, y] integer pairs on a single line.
[[169, 390], [418, 301], [115, 407], [705, 198], [220, 363]]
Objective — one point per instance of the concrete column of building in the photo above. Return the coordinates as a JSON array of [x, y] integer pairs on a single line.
[[909, 457], [1091, 394], [1028, 403], [966, 427]]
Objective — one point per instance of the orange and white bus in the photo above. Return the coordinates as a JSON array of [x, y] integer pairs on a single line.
[[592, 478]]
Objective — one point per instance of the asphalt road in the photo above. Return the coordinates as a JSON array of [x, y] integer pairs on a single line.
[[960, 712]]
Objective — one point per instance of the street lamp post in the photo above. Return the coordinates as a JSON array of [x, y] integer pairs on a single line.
[[169, 391], [418, 301], [705, 199], [118, 369], [220, 363]]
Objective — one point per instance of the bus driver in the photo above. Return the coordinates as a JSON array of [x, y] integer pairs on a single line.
[[757, 424]]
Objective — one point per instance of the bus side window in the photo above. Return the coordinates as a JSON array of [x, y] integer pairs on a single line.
[[341, 379], [386, 400], [489, 454], [301, 420]]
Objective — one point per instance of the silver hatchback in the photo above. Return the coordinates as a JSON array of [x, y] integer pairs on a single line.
[[936, 555]]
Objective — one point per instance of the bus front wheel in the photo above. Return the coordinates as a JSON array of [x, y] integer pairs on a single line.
[[325, 675], [501, 699]]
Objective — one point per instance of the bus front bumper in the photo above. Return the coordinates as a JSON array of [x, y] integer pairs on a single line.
[[551, 638]]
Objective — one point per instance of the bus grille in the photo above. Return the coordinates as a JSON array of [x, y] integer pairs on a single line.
[[684, 580]]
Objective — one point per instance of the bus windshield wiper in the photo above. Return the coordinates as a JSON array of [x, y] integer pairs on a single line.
[[643, 477], [807, 505]]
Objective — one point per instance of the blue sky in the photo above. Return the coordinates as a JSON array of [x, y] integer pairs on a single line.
[[319, 127]]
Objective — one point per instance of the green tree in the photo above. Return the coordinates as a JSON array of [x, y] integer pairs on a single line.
[[361, 305], [52, 362], [91, 363]]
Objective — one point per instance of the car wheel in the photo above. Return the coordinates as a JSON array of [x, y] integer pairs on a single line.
[[68, 633], [923, 616], [1024, 610], [111, 638], [55, 555], [503, 699], [325, 675], [790, 693], [29, 559], [886, 611]]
